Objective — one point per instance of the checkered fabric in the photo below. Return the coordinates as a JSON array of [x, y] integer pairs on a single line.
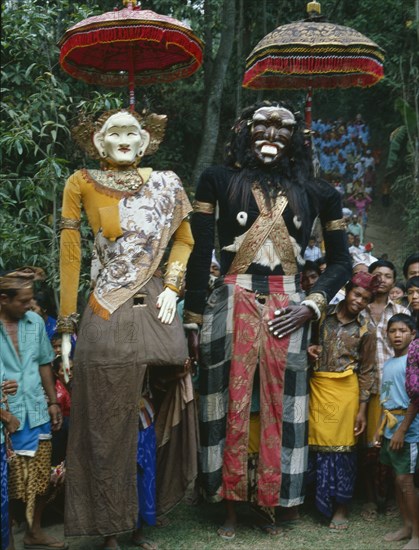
[[216, 352]]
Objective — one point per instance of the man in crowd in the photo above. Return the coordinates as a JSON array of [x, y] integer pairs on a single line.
[[26, 355], [312, 252], [411, 266], [357, 249], [356, 228], [344, 355]]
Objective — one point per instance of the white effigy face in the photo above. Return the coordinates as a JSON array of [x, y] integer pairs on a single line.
[[272, 129], [121, 140]]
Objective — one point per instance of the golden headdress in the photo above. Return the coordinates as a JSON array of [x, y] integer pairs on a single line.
[[153, 123]]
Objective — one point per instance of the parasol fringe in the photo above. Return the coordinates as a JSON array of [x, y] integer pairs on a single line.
[[174, 41], [302, 70]]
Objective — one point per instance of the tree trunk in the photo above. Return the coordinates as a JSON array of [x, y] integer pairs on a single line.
[[211, 123]]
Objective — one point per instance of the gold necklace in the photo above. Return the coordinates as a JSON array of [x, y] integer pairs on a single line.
[[120, 180]]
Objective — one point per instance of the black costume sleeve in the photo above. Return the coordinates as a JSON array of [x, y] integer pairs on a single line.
[[338, 259], [203, 231]]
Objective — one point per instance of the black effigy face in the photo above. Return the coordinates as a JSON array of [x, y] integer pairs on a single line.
[[272, 129]]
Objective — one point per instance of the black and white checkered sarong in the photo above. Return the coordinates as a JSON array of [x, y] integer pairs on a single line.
[[216, 351]]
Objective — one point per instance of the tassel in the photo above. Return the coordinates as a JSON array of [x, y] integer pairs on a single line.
[[98, 309]]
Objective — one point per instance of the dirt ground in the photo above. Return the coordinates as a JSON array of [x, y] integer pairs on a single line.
[[383, 230]]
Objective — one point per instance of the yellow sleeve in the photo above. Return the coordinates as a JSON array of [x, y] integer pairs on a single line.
[[181, 250], [70, 249]]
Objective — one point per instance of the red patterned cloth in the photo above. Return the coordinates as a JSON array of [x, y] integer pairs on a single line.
[[63, 397], [412, 372], [253, 345]]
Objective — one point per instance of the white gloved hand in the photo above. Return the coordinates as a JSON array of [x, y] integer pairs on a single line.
[[166, 303], [65, 354]]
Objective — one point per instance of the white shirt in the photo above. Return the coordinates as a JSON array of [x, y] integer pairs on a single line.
[[312, 254]]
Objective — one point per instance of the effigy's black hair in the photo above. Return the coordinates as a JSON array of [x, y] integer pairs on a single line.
[[293, 174]]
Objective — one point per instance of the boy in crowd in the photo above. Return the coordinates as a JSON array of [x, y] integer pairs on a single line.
[[310, 275], [400, 429], [343, 374], [377, 314]]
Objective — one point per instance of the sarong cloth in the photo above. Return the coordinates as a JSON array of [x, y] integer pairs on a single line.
[[177, 445], [109, 366], [29, 477], [334, 476], [4, 502], [146, 476], [334, 403], [227, 367]]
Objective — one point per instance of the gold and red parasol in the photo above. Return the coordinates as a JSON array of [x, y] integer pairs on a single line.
[[313, 54], [130, 47]]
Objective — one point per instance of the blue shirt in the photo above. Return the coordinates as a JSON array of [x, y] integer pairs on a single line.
[[34, 350], [394, 396]]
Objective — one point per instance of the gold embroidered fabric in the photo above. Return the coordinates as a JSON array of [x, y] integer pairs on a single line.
[[191, 317], [174, 275], [68, 323], [336, 225], [203, 207], [68, 223], [319, 300], [333, 448], [119, 180], [269, 224]]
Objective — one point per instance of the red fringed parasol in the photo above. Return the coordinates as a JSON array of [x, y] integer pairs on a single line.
[[131, 47], [313, 54]]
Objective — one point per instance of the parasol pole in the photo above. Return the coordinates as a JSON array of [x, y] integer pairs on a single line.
[[309, 101], [314, 12], [131, 79], [131, 68]]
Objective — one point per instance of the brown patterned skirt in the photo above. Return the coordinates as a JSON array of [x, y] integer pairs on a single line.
[[109, 366]]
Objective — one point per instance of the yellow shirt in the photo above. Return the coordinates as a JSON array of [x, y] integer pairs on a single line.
[[101, 206]]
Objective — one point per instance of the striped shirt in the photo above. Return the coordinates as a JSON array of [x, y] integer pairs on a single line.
[[384, 351]]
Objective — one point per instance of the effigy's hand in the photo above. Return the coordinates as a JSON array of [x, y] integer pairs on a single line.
[[289, 319], [65, 355], [166, 303]]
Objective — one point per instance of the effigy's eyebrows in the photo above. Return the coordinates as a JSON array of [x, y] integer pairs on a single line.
[[128, 127], [281, 116]]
